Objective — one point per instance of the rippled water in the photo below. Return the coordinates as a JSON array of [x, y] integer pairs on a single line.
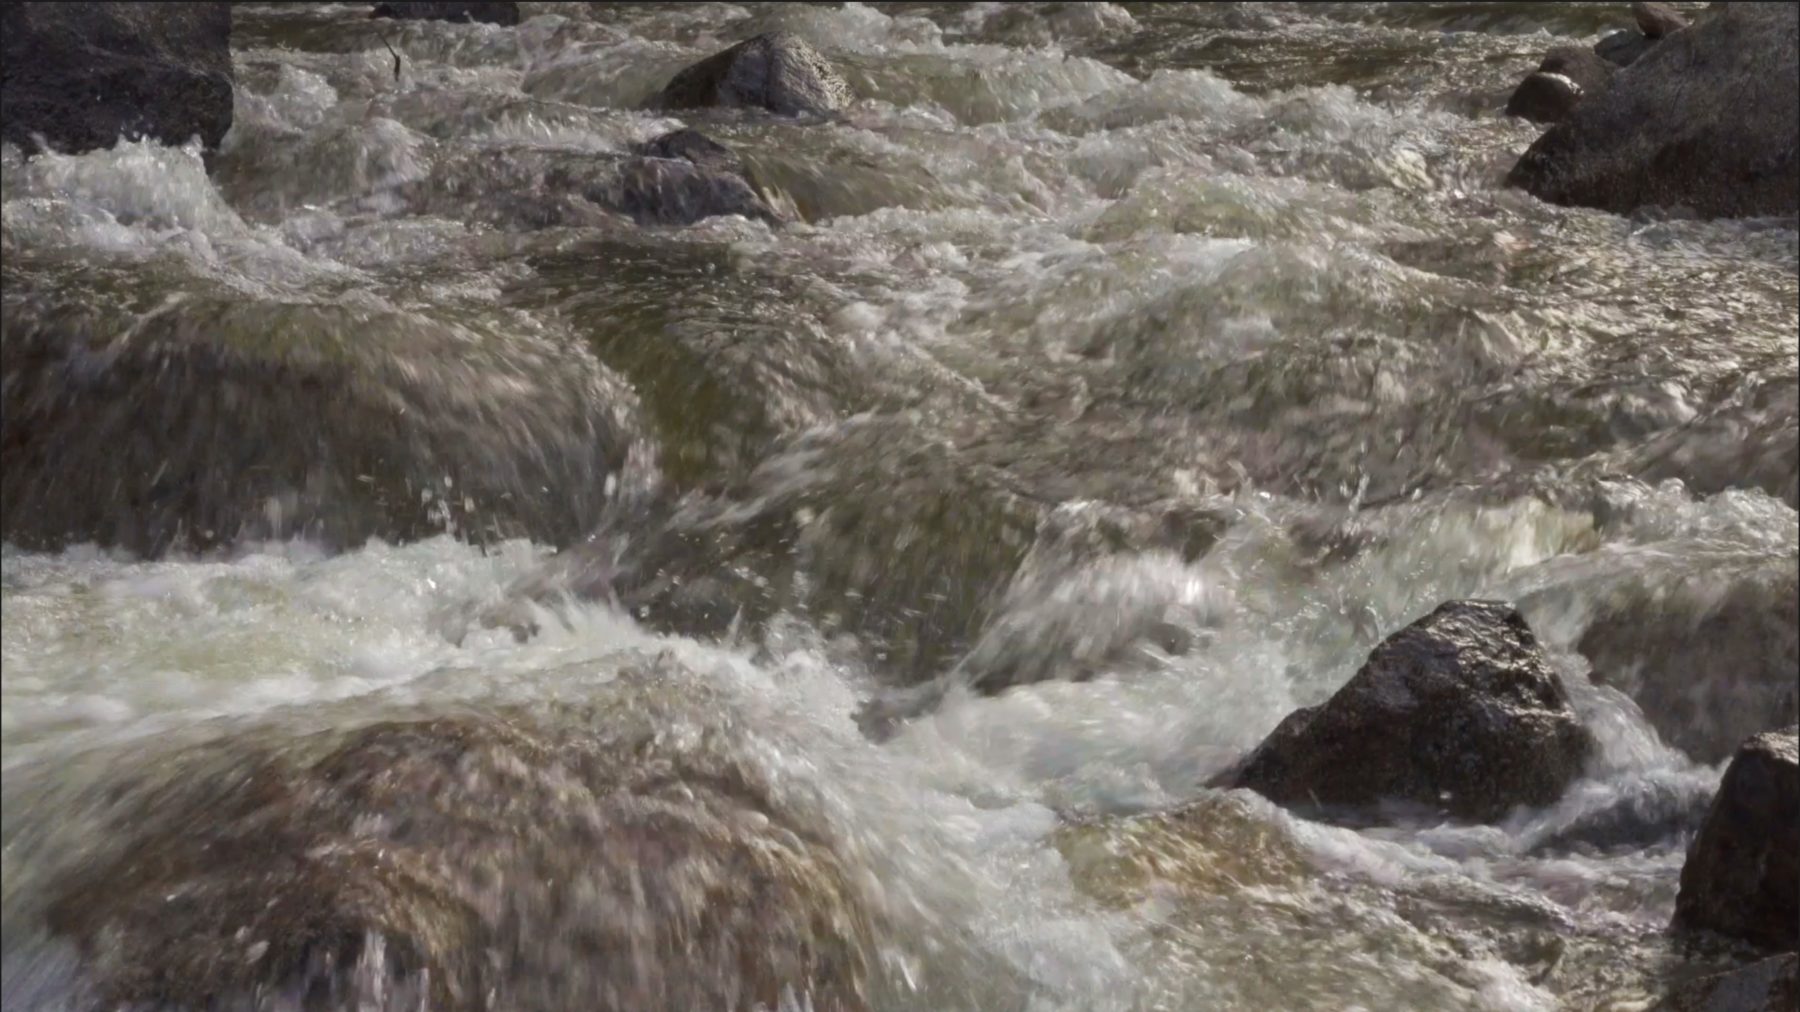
[[1146, 362]]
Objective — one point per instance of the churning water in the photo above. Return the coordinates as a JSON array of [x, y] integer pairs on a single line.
[[1127, 373]]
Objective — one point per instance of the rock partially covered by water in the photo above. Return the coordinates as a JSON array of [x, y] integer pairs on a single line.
[[83, 76], [1709, 120], [537, 859], [1709, 659], [1459, 711], [678, 191], [777, 71], [693, 146], [1551, 93], [155, 418], [1742, 876], [484, 13], [1770, 985]]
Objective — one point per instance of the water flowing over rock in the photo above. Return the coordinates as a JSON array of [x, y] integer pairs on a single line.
[[1459, 710], [1710, 664], [778, 71], [482, 13], [1553, 91], [214, 418], [1769, 985], [83, 76], [539, 858], [1742, 876], [1708, 120]]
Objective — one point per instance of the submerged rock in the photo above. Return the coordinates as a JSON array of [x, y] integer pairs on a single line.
[[157, 419], [83, 76], [693, 146], [1459, 711], [1709, 120], [1742, 876], [1558, 85], [1770, 985], [1710, 660], [536, 188], [535, 859], [777, 71], [483, 13]]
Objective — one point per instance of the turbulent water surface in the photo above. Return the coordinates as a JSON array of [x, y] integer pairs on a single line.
[[1147, 362]]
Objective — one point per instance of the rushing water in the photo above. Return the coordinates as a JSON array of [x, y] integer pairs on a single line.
[[1148, 362]]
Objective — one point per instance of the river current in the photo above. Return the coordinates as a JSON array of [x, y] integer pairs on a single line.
[[1126, 374]]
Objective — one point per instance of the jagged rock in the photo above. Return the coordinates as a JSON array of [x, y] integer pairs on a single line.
[[1657, 20], [1709, 120], [1459, 711], [1770, 985], [777, 71], [82, 76], [483, 13], [1742, 876], [1558, 85]]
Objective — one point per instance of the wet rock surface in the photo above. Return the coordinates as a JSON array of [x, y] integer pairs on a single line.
[[217, 419], [1459, 711], [1707, 121], [1710, 661], [778, 71], [533, 859], [1742, 876], [83, 76], [482, 13]]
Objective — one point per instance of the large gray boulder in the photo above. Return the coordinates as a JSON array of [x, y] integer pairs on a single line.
[[1459, 711], [1708, 120], [1742, 876], [777, 71], [82, 76]]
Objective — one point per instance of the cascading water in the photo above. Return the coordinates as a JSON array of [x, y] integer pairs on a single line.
[[848, 613]]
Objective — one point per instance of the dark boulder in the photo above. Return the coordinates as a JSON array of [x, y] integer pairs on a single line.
[[484, 13], [1770, 985], [1657, 20], [777, 71], [1742, 876], [1459, 711], [1558, 85], [82, 76], [1709, 120], [684, 176], [1622, 48]]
